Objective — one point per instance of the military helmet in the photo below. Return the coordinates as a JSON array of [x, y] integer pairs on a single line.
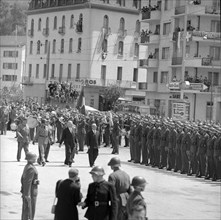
[[138, 181], [115, 161], [30, 156], [98, 170]]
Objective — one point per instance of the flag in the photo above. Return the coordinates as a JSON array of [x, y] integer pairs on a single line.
[[81, 102]]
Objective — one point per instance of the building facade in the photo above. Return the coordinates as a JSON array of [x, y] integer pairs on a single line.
[[12, 61], [183, 59], [92, 42]]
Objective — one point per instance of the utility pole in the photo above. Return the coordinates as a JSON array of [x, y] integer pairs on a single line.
[[47, 68]]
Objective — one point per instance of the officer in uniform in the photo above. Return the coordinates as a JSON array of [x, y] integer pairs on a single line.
[[136, 198], [121, 181], [101, 199], [29, 187], [22, 137]]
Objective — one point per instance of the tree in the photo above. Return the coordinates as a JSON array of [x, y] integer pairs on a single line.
[[13, 93], [111, 95]]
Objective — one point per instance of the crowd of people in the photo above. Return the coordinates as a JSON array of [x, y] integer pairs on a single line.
[[191, 148]]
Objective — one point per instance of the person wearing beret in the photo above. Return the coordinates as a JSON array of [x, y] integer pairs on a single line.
[[29, 187], [68, 194]]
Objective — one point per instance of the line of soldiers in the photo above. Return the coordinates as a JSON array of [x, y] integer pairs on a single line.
[[191, 148]]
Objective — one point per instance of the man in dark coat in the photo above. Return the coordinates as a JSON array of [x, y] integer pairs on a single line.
[[92, 140], [70, 141], [68, 194], [101, 198]]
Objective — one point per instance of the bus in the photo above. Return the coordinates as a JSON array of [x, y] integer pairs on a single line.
[[136, 109]]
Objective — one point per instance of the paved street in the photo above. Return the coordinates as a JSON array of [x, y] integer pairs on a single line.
[[169, 195]]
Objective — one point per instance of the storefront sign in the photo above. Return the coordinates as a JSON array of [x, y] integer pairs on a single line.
[[174, 86], [197, 86], [209, 35], [180, 111]]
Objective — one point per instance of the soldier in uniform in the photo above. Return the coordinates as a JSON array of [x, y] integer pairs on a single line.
[[145, 130], [22, 137], [136, 198], [121, 181], [29, 187], [217, 155], [137, 144], [81, 134], [132, 141], [156, 145], [115, 136], [163, 143], [150, 143], [101, 199]]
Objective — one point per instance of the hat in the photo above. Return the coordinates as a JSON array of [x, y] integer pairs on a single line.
[[73, 172], [30, 156]]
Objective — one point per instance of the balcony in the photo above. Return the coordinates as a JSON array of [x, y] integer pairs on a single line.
[[148, 16], [122, 33], [148, 63], [193, 62], [31, 33], [208, 61], [61, 30], [212, 10], [177, 60], [150, 87], [46, 32], [27, 80], [86, 81]]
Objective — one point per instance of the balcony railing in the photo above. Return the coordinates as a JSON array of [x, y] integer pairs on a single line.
[[122, 33], [61, 30], [143, 63], [46, 32], [180, 10], [145, 15], [27, 80], [206, 61], [212, 10], [144, 39], [177, 60], [98, 82], [207, 35]]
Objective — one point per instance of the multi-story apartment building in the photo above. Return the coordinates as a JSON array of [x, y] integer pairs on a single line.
[[183, 59], [91, 41], [12, 60]]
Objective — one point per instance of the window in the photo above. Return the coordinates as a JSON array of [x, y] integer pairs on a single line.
[[155, 77], [10, 53], [9, 78], [166, 28], [215, 26], [103, 72], [78, 71], [10, 66], [29, 70], [54, 46], [70, 45], [166, 5], [38, 46], [213, 78], [63, 21], [106, 22], [62, 46], [39, 24], [135, 75], [45, 71], [137, 28], [55, 22], [52, 70], [46, 46], [136, 50], [165, 52], [215, 53], [164, 77], [69, 71], [32, 26], [135, 3], [104, 46], [37, 71], [122, 24], [119, 73], [31, 47], [47, 23], [209, 110], [121, 48], [79, 45], [60, 72], [72, 21]]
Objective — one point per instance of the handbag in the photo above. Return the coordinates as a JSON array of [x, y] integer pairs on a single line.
[[53, 206]]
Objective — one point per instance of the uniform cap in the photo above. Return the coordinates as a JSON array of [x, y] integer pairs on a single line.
[[98, 170], [115, 161], [138, 181], [30, 156]]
